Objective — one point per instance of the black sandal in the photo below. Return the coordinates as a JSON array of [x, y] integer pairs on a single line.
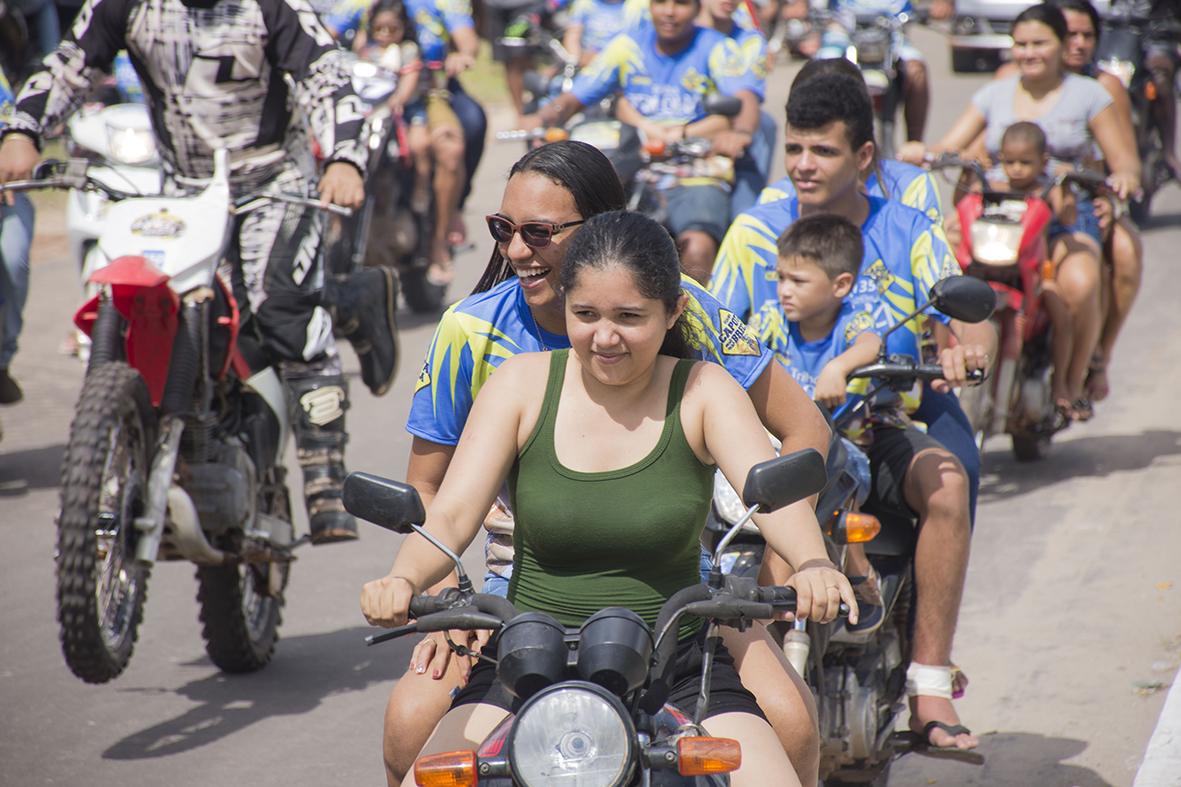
[[921, 743]]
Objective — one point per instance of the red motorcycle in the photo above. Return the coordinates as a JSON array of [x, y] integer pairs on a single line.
[[1003, 241]]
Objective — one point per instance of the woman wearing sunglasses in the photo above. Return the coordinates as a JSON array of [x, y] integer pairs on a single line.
[[516, 308]]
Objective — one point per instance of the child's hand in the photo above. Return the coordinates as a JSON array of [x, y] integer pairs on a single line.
[[830, 387]]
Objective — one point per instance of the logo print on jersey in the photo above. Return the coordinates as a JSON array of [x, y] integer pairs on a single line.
[[879, 275], [424, 377], [735, 337], [857, 325]]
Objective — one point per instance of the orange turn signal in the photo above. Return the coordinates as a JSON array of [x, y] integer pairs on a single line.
[[450, 769], [555, 134], [700, 756], [860, 528], [1048, 270], [1150, 90]]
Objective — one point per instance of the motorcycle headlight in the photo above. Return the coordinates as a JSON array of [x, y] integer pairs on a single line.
[[572, 735], [996, 242], [872, 46], [1123, 70], [132, 146]]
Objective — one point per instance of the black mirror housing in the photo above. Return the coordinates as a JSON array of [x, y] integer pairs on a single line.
[[964, 298], [719, 104], [390, 504], [784, 480]]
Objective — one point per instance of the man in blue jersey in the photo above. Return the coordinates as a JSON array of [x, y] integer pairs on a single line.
[[829, 133], [665, 70], [889, 178]]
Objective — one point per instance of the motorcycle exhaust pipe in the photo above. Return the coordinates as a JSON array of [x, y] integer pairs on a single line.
[[186, 535]]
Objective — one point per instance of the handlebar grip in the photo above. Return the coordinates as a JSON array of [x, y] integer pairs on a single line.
[[426, 604], [782, 599]]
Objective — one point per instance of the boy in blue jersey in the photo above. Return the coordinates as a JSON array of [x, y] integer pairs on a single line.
[[593, 23], [665, 70], [829, 133], [816, 333]]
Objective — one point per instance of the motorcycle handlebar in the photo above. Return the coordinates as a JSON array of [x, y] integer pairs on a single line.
[[902, 371]]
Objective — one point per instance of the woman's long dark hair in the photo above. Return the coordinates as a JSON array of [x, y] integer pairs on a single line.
[[1082, 7], [644, 247], [579, 168]]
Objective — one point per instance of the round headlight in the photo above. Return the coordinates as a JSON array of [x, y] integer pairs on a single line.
[[575, 735]]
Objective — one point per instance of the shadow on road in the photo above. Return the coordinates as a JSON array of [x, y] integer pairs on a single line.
[[305, 671], [1011, 758], [1070, 460], [36, 468]]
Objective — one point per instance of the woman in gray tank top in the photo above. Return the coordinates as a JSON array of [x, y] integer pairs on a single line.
[[1076, 113]]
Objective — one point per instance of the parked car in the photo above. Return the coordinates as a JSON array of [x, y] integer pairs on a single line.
[[980, 32]]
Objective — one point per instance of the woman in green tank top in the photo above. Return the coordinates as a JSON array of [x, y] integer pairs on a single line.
[[609, 450]]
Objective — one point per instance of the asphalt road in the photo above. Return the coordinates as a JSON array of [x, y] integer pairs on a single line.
[[1071, 622]]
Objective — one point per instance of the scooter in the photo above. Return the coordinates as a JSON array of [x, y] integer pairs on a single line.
[[176, 448], [857, 673], [594, 709]]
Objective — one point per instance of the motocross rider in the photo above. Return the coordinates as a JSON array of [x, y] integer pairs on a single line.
[[664, 71], [829, 133], [215, 75]]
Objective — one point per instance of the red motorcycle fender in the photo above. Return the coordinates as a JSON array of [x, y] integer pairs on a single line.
[[141, 294], [968, 209]]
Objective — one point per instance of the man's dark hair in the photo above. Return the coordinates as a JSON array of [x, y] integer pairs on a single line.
[[1025, 132], [830, 241], [828, 98], [828, 65]]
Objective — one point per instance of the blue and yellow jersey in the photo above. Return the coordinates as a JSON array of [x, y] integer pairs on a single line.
[[477, 334], [434, 20], [601, 20], [666, 87], [912, 186], [905, 254]]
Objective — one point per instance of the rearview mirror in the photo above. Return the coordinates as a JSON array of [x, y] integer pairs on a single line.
[[719, 104], [964, 298], [390, 504], [784, 480]]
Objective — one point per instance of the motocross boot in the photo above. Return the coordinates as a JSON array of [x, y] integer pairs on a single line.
[[362, 306], [318, 423]]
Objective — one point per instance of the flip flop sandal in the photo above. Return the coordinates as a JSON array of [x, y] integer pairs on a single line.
[[1084, 409], [921, 744]]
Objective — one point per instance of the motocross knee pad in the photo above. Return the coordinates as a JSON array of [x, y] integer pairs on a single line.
[[320, 437]]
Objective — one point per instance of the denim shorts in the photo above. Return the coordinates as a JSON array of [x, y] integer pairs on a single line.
[[1085, 221]]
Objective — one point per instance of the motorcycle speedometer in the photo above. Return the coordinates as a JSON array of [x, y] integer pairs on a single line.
[[573, 734]]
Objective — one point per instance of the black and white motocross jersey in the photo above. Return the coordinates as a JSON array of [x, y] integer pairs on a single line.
[[215, 73]]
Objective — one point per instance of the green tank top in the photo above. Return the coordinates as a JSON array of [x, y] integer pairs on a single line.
[[622, 538]]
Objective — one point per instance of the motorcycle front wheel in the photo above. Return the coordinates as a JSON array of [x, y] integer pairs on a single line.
[[101, 586], [240, 608]]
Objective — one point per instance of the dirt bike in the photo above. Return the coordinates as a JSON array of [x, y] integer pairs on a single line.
[[1004, 242], [175, 450], [388, 230], [594, 707], [857, 672]]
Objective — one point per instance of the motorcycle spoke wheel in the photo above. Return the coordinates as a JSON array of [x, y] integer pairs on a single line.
[[101, 586]]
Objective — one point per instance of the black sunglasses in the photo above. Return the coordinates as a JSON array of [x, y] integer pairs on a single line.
[[536, 234]]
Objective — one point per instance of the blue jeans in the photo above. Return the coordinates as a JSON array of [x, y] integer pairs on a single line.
[[475, 127], [16, 236], [752, 171], [946, 422]]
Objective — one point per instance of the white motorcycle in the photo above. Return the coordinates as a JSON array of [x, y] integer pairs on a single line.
[[175, 450]]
